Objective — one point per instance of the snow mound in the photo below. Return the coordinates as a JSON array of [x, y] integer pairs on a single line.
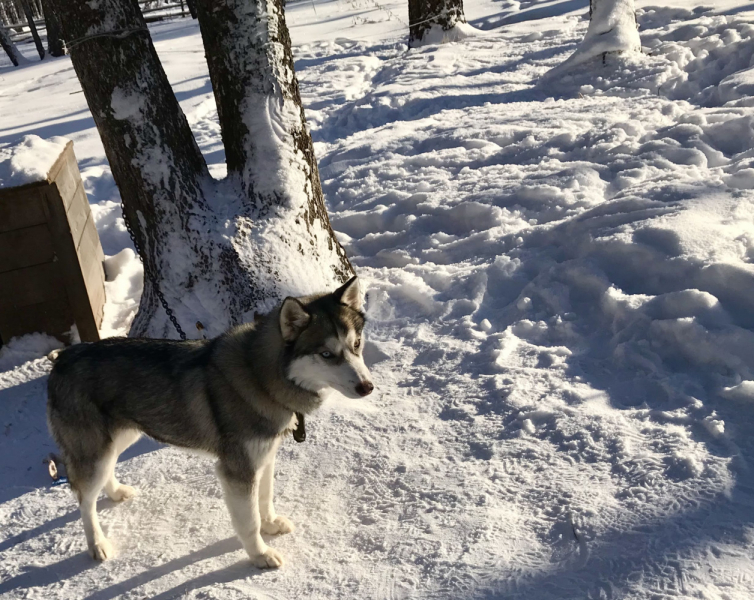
[[437, 35], [28, 160], [20, 350]]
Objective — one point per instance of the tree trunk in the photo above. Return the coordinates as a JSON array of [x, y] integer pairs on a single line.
[[215, 251], [612, 29], [284, 234], [433, 15], [10, 47], [192, 8], [33, 28], [54, 43]]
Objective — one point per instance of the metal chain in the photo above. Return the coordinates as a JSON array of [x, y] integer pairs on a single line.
[[118, 34], [152, 276]]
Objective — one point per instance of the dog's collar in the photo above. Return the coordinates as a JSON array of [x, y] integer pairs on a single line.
[[299, 434]]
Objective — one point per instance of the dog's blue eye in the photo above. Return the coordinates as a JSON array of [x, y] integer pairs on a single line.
[[326, 354]]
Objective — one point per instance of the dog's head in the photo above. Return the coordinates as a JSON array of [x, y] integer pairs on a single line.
[[324, 341]]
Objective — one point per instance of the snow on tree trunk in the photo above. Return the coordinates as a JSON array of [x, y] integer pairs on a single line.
[[10, 48], [283, 233], [33, 28], [52, 23], [612, 28], [435, 21], [215, 251]]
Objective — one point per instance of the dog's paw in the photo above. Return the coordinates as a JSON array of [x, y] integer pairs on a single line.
[[102, 550], [269, 559], [122, 492], [278, 526]]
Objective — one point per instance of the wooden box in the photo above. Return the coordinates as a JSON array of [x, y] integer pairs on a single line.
[[51, 260]]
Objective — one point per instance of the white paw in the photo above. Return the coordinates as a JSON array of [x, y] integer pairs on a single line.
[[269, 559], [277, 526], [102, 550], [122, 492]]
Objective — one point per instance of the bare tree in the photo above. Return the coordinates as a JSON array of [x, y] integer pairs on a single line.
[[54, 43], [215, 252], [440, 16], [10, 48], [33, 28]]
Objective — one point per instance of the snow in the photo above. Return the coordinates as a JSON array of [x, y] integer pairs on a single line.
[[612, 28], [437, 35], [560, 300], [28, 160], [20, 350]]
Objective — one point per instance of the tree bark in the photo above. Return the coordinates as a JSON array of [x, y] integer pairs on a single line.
[[268, 147], [33, 28], [424, 15], [54, 43], [10, 47], [217, 252], [192, 8]]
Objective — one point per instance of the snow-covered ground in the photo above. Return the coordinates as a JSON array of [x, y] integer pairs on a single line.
[[561, 305]]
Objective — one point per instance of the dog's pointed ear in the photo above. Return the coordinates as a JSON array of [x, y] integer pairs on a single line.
[[350, 294], [293, 319]]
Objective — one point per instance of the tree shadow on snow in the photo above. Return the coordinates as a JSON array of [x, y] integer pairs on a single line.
[[550, 9], [351, 118], [665, 549], [63, 128], [619, 564]]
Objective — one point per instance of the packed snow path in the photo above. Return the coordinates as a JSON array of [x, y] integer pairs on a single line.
[[561, 310]]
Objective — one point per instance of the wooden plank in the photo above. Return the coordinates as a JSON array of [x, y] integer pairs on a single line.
[[90, 244], [91, 259], [25, 247], [69, 265], [78, 214], [31, 285], [22, 207], [97, 301], [53, 317], [21, 189], [52, 222], [64, 174]]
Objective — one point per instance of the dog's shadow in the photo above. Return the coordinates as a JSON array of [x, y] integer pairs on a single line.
[[235, 571], [81, 562]]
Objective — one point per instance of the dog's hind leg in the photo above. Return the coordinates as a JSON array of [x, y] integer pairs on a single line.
[[88, 481], [115, 490], [241, 488]]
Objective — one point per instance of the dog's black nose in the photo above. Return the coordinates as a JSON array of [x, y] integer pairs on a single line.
[[364, 388]]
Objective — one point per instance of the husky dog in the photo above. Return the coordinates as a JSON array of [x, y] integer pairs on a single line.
[[234, 396]]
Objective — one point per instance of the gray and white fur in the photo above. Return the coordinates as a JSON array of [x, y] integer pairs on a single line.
[[234, 397]]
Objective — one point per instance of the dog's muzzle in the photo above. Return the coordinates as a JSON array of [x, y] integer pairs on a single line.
[[364, 388]]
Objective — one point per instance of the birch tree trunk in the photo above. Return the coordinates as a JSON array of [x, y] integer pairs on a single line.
[[439, 17], [10, 47], [216, 252]]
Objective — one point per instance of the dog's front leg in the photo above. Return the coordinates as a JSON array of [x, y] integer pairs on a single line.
[[272, 523], [241, 488]]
